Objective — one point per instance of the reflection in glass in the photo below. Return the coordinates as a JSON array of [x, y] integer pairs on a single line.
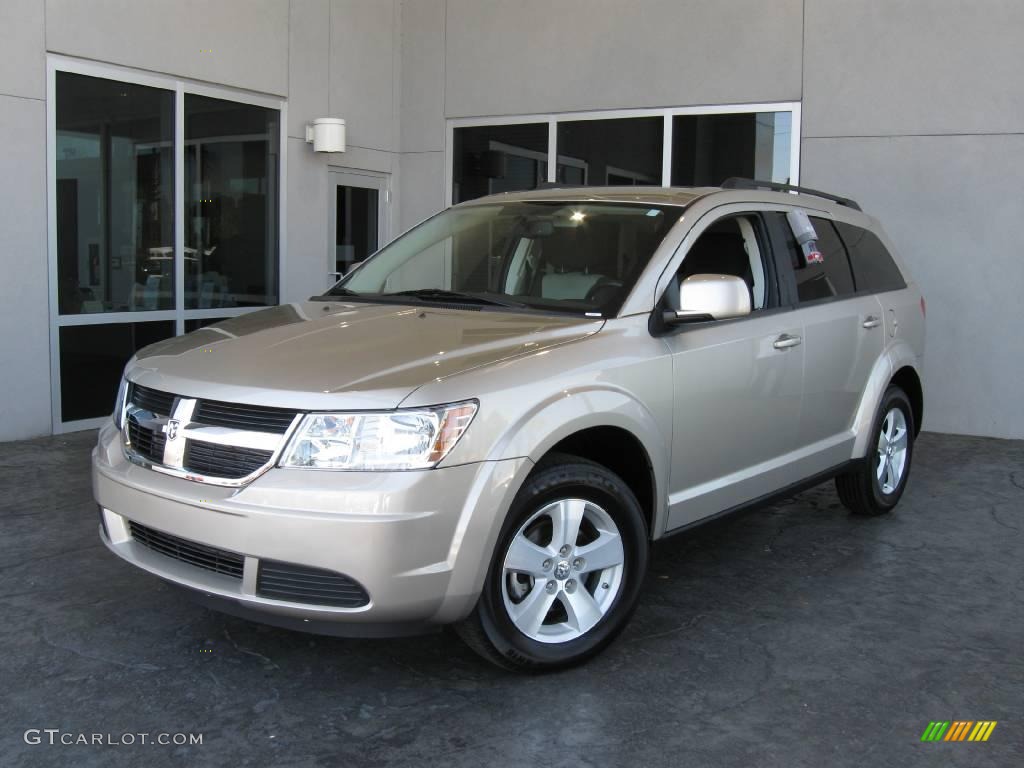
[[498, 158], [356, 236], [231, 204], [114, 195], [707, 149], [610, 152], [92, 358], [201, 322]]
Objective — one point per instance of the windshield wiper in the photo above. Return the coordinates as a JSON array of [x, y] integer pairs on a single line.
[[439, 294]]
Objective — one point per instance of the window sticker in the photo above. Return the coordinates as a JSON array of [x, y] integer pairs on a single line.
[[806, 236]]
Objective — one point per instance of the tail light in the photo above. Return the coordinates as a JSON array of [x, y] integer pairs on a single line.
[[924, 308]]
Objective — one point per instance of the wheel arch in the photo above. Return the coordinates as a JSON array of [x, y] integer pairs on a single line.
[[907, 379], [899, 365], [597, 424], [621, 452]]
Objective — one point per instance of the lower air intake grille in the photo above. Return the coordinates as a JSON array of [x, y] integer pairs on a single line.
[[299, 584], [228, 461], [146, 442], [199, 555]]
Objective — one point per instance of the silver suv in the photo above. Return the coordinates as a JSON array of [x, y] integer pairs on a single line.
[[488, 422]]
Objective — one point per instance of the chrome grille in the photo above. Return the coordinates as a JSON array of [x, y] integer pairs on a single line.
[[152, 400], [203, 440], [239, 416], [146, 442], [223, 460]]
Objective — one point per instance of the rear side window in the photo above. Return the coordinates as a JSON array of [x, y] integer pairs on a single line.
[[829, 279], [873, 268]]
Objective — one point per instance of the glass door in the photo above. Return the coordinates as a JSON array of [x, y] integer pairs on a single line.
[[358, 222]]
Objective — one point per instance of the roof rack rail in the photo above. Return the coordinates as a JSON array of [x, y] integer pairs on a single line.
[[738, 182]]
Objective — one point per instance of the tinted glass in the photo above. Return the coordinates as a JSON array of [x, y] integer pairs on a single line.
[[115, 195], [560, 256], [610, 152], [732, 246], [231, 203], [355, 233], [873, 267], [498, 158], [92, 358], [814, 282], [707, 149]]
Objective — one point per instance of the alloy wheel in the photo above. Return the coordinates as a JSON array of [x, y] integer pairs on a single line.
[[892, 451], [562, 571]]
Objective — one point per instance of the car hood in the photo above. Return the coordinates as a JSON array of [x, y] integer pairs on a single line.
[[326, 355]]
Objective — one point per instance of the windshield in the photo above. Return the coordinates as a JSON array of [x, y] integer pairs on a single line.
[[552, 256]]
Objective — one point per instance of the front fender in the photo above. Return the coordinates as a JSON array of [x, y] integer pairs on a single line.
[[542, 426]]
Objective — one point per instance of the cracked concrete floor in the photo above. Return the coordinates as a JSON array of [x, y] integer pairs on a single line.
[[794, 636]]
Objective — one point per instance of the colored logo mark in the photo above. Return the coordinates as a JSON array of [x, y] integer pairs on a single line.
[[958, 730]]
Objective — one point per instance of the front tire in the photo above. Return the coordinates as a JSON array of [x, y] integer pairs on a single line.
[[566, 572], [876, 484]]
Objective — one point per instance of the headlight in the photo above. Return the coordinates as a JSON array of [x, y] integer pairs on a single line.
[[417, 438], [122, 393]]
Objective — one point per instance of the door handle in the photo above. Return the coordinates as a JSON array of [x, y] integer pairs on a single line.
[[786, 340], [871, 322]]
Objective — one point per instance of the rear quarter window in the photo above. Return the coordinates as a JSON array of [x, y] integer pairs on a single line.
[[874, 270]]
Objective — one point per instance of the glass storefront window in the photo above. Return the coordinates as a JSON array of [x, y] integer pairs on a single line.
[[114, 195], [231, 204], [498, 158], [118, 209], [610, 152], [92, 358], [707, 149]]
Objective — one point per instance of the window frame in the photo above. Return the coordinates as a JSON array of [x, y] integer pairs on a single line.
[[667, 114], [179, 314], [777, 297]]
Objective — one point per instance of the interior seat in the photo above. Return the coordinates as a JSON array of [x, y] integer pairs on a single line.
[[568, 275], [721, 253]]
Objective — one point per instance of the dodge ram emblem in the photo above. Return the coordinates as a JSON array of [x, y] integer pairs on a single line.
[[171, 428]]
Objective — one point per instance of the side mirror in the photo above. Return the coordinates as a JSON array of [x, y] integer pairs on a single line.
[[352, 267], [710, 297]]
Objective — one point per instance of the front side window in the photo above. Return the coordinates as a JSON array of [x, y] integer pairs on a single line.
[[735, 246], [577, 257]]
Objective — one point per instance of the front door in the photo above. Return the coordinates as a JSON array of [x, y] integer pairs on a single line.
[[737, 384], [358, 221]]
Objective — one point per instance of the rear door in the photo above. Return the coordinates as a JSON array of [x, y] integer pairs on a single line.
[[843, 336]]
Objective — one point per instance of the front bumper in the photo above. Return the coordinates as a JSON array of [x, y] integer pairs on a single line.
[[419, 542]]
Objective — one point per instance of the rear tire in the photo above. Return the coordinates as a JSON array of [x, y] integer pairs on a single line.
[[874, 486], [566, 571]]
